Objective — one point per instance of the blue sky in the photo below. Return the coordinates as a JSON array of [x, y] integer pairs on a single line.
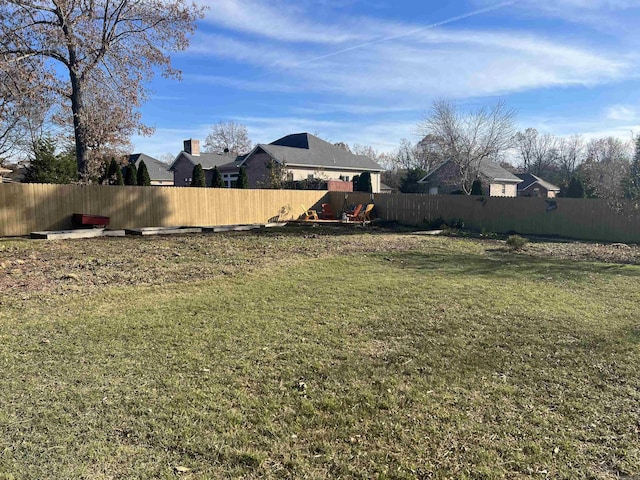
[[365, 72]]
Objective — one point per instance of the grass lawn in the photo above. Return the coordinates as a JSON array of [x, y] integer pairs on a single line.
[[296, 354]]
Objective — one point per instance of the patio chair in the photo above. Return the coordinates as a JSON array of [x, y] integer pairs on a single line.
[[308, 214], [327, 212], [353, 216], [366, 215]]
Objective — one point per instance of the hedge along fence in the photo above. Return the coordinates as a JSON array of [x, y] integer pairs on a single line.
[[586, 219], [26, 208]]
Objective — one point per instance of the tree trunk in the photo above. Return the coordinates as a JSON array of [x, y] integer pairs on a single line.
[[78, 127]]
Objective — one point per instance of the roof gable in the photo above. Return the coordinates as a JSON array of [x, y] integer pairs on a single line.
[[487, 168], [157, 170], [529, 180], [210, 160], [306, 150]]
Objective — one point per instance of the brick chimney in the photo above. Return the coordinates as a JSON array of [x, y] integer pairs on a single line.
[[192, 146]]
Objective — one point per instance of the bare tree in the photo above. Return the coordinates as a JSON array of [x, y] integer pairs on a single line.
[[429, 153], [228, 137], [344, 146], [469, 138], [606, 166], [406, 155], [538, 152], [89, 44], [570, 155]]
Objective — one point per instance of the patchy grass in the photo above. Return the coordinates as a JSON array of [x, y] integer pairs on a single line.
[[313, 355]]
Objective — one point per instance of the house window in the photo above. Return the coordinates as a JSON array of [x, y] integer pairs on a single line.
[[289, 176], [187, 180], [229, 179], [310, 176], [433, 190], [346, 179], [504, 189]]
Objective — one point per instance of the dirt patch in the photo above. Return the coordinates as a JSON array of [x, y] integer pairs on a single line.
[[29, 268]]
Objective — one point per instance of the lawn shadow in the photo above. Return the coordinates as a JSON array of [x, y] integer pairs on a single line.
[[502, 264]]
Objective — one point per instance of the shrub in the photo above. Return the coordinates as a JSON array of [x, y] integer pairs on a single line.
[[243, 181], [516, 243], [114, 173], [131, 174], [142, 176], [476, 187], [216, 179], [198, 178]]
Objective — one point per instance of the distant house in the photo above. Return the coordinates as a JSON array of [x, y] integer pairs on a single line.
[[384, 188], [4, 172], [306, 157], [496, 181], [16, 173], [158, 171], [533, 186], [182, 167]]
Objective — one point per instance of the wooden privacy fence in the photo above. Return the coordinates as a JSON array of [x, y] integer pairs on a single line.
[[587, 219], [25, 208]]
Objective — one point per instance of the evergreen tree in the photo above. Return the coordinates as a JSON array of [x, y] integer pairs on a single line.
[[355, 181], [143, 178], [409, 181], [114, 173], [632, 182], [364, 183], [198, 178], [216, 179], [575, 188], [130, 175], [476, 187], [47, 166], [243, 181]]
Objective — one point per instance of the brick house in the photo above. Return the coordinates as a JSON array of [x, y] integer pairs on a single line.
[[158, 171], [534, 186], [182, 166], [306, 157], [496, 181]]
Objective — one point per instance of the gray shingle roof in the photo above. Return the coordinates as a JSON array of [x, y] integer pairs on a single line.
[[495, 172], [157, 170], [529, 179], [488, 169], [306, 150], [211, 160]]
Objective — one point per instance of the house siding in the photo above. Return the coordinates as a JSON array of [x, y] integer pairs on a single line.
[[446, 180], [542, 191], [258, 173], [256, 169], [182, 172], [301, 173], [496, 190]]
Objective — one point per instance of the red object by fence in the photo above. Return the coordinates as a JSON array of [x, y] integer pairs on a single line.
[[82, 220]]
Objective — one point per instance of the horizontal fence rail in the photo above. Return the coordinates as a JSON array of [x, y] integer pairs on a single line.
[[25, 208], [586, 219]]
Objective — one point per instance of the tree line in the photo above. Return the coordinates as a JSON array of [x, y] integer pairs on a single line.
[[606, 167]]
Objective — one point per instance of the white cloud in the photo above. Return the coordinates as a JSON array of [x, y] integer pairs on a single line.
[[622, 113], [285, 21], [454, 63]]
